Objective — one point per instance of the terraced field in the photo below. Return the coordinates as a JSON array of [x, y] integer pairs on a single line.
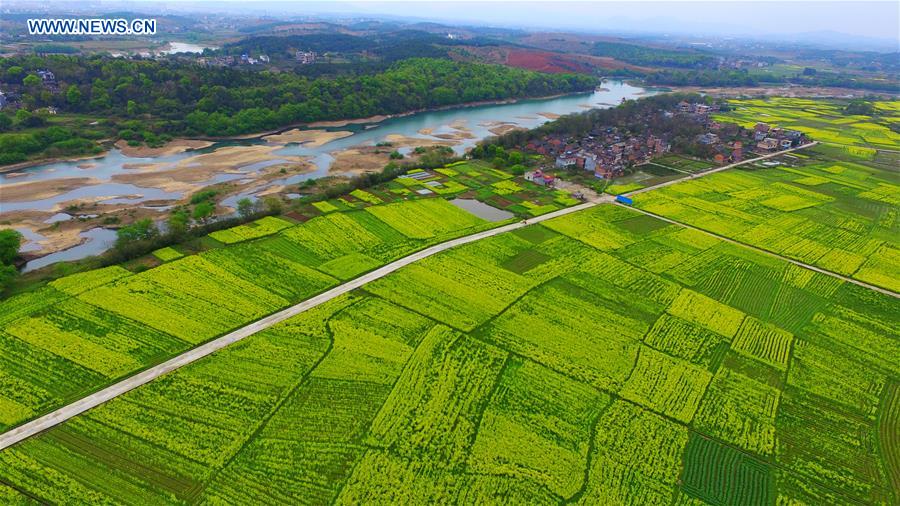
[[603, 357]]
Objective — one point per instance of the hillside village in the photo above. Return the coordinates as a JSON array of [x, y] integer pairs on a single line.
[[609, 151]]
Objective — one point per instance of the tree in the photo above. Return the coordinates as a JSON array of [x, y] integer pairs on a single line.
[[178, 222], [7, 273], [137, 231], [31, 81], [10, 240], [245, 207], [5, 122], [73, 96], [14, 72], [203, 211], [273, 205]]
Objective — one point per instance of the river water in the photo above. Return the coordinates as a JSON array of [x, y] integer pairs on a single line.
[[476, 120]]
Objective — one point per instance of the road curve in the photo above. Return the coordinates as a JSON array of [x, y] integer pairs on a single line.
[[64, 413], [95, 399]]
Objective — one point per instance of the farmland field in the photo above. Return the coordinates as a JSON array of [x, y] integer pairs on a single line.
[[834, 206], [602, 357], [80, 332]]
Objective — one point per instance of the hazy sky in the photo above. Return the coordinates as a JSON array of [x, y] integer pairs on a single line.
[[863, 19]]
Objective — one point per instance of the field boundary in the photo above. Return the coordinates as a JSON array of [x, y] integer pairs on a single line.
[[767, 252]]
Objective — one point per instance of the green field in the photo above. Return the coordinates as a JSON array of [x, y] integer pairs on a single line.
[[603, 357], [81, 332], [834, 207], [822, 120]]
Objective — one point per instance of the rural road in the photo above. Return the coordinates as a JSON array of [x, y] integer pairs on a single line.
[[53, 418], [769, 253], [719, 169], [60, 415]]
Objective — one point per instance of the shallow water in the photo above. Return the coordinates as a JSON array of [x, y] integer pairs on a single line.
[[98, 241], [482, 210], [476, 120]]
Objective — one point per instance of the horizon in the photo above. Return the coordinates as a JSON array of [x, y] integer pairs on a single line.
[[837, 24]]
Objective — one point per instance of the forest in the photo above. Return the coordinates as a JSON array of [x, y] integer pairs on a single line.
[[744, 78], [148, 100], [642, 55]]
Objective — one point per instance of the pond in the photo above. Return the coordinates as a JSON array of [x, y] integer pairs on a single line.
[[482, 210]]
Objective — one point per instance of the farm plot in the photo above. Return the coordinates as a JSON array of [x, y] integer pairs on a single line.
[[259, 228], [844, 224], [192, 299], [566, 329], [637, 457], [527, 368], [719, 474], [822, 120], [160, 443], [537, 425], [435, 406]]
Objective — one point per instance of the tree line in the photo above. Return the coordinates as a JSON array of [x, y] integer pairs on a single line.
[[148, 99]]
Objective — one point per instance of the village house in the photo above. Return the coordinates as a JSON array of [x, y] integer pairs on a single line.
[[767, 144], [708, 138], [305, 57], [540, 178]]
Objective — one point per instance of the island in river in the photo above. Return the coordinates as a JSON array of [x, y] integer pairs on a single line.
[[64, 204]]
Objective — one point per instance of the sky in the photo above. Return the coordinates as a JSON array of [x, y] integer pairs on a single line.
[[863, 19]]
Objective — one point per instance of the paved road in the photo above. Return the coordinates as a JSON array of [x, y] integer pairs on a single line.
[[49, 420], [769, 253], [719, 169], [93, 400]]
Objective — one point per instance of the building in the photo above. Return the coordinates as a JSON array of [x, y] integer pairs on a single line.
[[760, 131], [708, 138], [767, 144], [564, 161], [538, 177], [2, 100], [305, 57], [46, 76], [786, 143]]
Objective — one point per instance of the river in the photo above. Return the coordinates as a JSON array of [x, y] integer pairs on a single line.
[[477, 120]]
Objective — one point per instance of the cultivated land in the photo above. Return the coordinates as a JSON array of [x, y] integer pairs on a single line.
[[834, 207], [600, 357]]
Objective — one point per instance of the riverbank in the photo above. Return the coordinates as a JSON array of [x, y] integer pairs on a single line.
[[182, 144], [8, 169], [275, 165]]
